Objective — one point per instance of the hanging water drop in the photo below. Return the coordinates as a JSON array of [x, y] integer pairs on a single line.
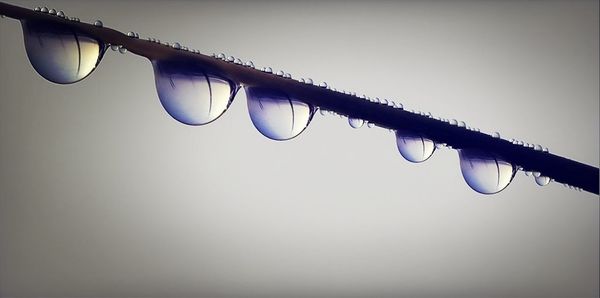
[[483, 172], [59, 53], [114, 47], [98, 23], [542, 180], [276, 115], [122, 50], [191, 94], [356, 122], [323, 112], [414, 147]]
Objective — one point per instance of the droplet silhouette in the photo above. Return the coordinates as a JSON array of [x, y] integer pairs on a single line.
[[276, 115], [191, 94], [542, 180], [483, 172], [59, 53], [413, 147], [356, 123]]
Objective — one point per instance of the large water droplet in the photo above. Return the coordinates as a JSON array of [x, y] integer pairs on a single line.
[[356, 123], [413, 147], [276, 115], [191, 94], [483, 172], [59, 53], [542, 180]]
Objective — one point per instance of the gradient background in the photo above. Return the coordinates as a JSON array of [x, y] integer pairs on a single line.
[[102, 194]]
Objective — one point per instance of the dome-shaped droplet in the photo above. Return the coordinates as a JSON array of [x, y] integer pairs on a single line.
[[37, 9], [461, 124], [131, 34], [221, 56], [276, 115], [52, 11], [114, 47], [496, 135], [323, 112], [59, 53], [280, 73], [356, 122], [545, 150], [230, 58], [542, 180], [538, 147], [453, 122], [287, 75], [309, 81], [268, 70], [60, 14], [44, 9], [191, 94], [238, 61], [249, 64], [413, 147], [370, 124], [122, 50], [98, 23], [483, 172], [176, 45]]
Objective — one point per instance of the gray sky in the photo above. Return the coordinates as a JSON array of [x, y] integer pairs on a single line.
[[103, 194]]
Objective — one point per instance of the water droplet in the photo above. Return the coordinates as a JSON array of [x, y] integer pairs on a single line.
[[122, 50], [221, 56], [268, 70], [301, 80], [37, 9], [191, 94], [59, 53], [413, 147], [323, 85], [131, 34], [280, 73], [453, 122], [461, 124], [44, 9], [439, 145], [546, 150], [356, 122], [60, 14], [496, 135], [98, 23], [323, 112], [483, 172], [276, 115], [536, 174], [400, 106], [542, 180], [287, 75], [238, 61], [309, 81], [176, 45], [230, 59], [114, 47], [52, 11], [250, 64], [370, 124]]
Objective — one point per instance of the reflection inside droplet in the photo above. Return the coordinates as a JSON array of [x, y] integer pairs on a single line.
[[413, 147], [191, 94], [276, 115], [59, 53], [356, 122], [484, 172], [542, 180]]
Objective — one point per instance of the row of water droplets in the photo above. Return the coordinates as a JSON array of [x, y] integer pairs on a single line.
[[195, 96]]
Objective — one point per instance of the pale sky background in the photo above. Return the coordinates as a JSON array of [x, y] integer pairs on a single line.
[[103, 194]]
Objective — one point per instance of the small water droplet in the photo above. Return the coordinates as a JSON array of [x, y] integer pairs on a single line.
[[370, 124], [52, 11], [536, 174], [114, 47], [37, 9], [546, 150], [230, 59], [323, 112], [496, 135], [309, 81], [176, 46], [238, 61], [280, 73], [250, 64], [287, 75], [483, 172], [221, 56], [527, 173], [44, 9], [461, 124], [542, 180], [453, 122], [538, 147], [356, 122], [191, 94], [268, 70], [439, 145], [276, 115], [122, 50], [60, 14], [323, 85], [413, 147], [98, 23], [59, 53]]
